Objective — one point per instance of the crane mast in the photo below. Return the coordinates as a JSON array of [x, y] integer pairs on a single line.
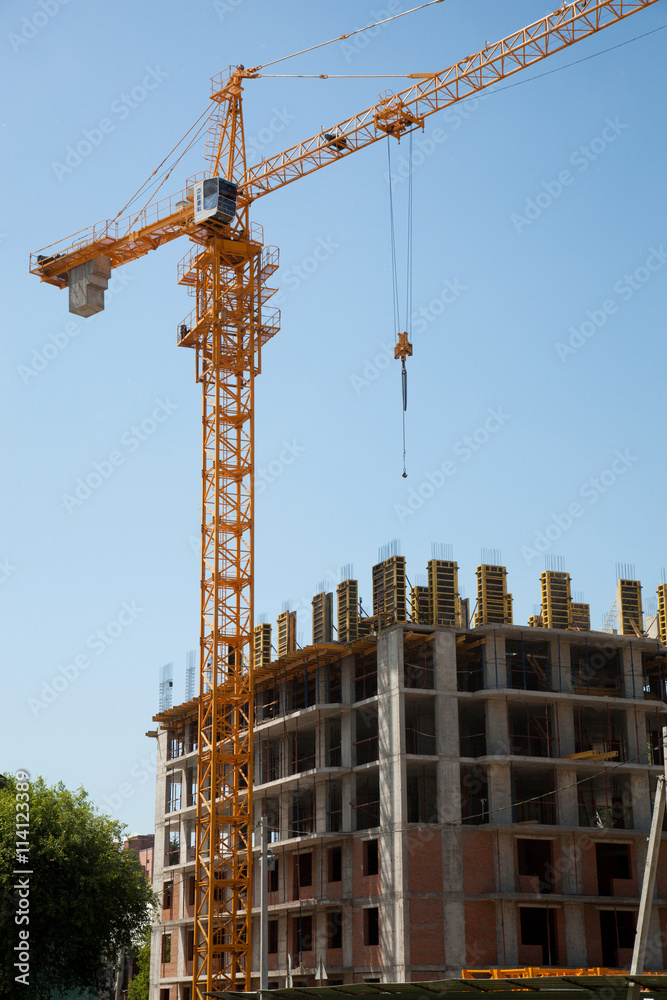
[[227, 272]]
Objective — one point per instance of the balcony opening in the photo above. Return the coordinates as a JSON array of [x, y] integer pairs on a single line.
[[335, 929], [422, 794], [301, 691], [600, 731], [334, 807], [334, 683], [273, 937], [302, 750], [366, 743], [474, 795], [268, 703], [613, 866], [270, 760], [472, 729], [302, 936], [596, 670], [333, 742], [531, 730], [617, 933], [371, 926], [335, 864], [538, 933], [365, 676], [418, 665], [367, 805], [654, 667], [302, 872], [302, 819], [420, 726], [605, 801], [535, 865], [527, 665], [371, 862], [469, 663], [534, 796]]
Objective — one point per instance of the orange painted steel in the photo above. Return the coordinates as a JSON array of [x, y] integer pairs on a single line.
[[227, 273]]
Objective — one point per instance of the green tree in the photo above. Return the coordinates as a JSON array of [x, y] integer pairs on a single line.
[[86, 897], [138, 988]]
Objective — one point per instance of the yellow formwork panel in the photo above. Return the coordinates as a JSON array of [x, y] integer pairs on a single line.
[[262, 645], [494, 604], [322, 618], [556, 599], [389, 588], [535, 621], [347, 594], [419, 605], [662, 613], [443, 592], [629, 603], [286, 633], [580, 616]]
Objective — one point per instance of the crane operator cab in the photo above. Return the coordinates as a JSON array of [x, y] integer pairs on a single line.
[[215, 200]]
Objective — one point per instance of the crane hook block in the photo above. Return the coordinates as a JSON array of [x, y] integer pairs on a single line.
[[215, 200], [403, 348], [87, 285]]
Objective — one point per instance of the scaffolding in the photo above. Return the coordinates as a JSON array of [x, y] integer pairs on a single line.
[[580, 616]]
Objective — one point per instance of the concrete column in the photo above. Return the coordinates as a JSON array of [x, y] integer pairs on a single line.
[[637, 735], [563, 715], [285, 797], [508, 938], [641, 801], [495, 667], [561, 670], [504, 861], [449, 791], [453, 900], [394, 930], [497, 741], [347, 679], [631, 668], [445, 661], [575, 935], [566, 796], [500, 793], [570, 866], [321, 797]]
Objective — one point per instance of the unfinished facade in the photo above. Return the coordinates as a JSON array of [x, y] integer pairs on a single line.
[[438, 798]]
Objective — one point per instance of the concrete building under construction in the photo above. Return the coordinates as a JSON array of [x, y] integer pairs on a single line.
[[438, 796]]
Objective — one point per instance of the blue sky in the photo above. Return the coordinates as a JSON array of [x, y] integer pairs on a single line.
[[536, 387]]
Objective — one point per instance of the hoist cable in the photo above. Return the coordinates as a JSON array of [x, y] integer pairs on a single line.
[[394, 273]]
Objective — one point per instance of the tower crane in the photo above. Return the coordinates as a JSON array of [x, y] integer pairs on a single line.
[[227, 271]]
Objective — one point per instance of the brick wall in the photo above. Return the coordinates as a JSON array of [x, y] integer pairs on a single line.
[[424, 861], [427, 943], [478, 862], [481, 942]]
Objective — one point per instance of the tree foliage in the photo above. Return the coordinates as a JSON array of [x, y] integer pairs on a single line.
[[88, 898], [139, 984]]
